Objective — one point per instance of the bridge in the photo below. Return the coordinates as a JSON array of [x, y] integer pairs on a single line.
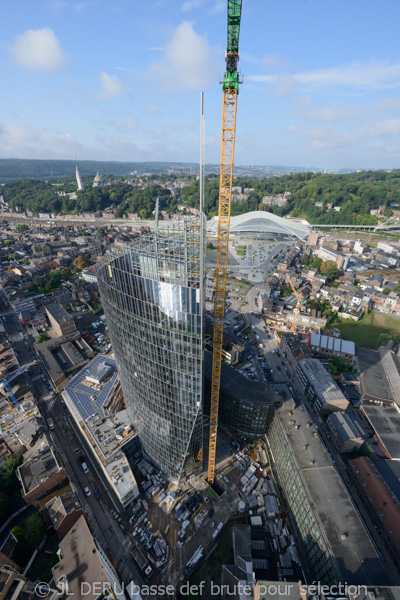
[[383, 227]]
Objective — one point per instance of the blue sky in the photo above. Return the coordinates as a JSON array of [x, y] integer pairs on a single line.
[[121, 80]]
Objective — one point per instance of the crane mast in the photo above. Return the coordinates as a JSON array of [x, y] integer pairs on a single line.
[[230, 87]]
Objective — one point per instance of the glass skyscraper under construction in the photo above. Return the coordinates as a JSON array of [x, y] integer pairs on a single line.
[[151, 290]]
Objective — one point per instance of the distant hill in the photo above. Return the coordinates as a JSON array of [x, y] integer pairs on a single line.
[[20, 168], [15, 168]]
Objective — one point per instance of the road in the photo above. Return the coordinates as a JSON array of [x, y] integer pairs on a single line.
[[104, 526]]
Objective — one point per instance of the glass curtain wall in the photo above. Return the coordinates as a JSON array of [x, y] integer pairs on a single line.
[[152, 295]]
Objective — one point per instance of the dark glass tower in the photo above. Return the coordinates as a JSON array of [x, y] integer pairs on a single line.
[[152, 294]]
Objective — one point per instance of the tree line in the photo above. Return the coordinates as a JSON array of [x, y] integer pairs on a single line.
[[355, 194]]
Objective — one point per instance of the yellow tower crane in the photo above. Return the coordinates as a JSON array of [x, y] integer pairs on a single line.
[[298, 305], [230, 87]]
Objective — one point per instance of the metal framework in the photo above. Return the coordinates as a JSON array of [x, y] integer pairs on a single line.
[[230, 87], [224, 211]]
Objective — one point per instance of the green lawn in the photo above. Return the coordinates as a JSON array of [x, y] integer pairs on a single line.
[[367, 331], [240, 252]]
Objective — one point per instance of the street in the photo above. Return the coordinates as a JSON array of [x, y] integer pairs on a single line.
[[103, 525]]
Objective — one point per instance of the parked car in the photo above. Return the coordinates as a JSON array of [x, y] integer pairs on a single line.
[[87, 491]]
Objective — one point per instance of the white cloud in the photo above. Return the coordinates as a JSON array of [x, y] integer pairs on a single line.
[[275, 61], [365, 76], [188, 63], [152, 108], [191, 4], [26, 142], [39, 49], [111, 87], [216, 7]]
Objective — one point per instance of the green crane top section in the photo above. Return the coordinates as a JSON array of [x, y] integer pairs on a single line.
[[231, 77]]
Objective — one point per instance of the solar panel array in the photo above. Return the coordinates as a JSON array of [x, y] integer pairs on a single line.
[[81, 394]]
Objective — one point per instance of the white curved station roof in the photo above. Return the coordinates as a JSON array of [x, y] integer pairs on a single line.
[[260, 222]]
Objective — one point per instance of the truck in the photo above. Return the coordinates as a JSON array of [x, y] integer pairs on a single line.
[[141, 561], [50, 423]]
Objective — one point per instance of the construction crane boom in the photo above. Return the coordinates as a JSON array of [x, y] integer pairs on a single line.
[[230, 87], [298, 305], [5, 384]]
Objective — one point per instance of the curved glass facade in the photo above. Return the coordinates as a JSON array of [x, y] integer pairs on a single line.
[[151, 291]]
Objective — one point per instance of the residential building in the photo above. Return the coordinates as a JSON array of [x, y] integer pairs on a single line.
[[328, 254], [40, 472], [325, 346], [63, 355], [61, 321], [64, 511], [295, 349], [385, 247], [382, 506], [238, 579], [359, 248], [384, 421], [344, 432], [152, 295], [313, 238], [380, 379], [84, 570], [95, 401], [318, 385]]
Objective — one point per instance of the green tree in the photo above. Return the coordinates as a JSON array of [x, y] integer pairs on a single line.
[[42, 337], [286, 290], [54, 280], [101, 231], [25, 261], [387, 336], [386, 291], [81, 262], [329, 269], [66, 273], [316, 262], [8, 478], [39, 281], [33, 530], [22, 228], [18, 532]]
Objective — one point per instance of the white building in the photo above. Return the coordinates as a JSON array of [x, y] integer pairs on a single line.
[[358, 247], [386, 247]]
